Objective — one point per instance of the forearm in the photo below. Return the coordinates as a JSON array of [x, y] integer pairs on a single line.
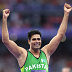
[[5, 35], [63, 25]]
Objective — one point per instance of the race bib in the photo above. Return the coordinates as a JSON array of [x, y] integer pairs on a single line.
[[38, 70]]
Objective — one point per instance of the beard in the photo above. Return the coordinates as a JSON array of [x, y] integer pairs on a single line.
[[36, 46]]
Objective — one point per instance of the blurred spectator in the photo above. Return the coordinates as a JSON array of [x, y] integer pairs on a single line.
[[66, 69], [8, 64], [2, 5]]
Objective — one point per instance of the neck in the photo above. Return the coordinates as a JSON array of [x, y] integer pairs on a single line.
[[34, 51]]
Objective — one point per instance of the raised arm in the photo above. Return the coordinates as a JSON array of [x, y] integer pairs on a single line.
[[11, 45], [52, 46]]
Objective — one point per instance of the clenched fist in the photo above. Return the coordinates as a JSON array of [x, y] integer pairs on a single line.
[[67, 8], [6, 13]]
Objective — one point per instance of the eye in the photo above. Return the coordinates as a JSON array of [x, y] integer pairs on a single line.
[[34, 39], [38, 39]]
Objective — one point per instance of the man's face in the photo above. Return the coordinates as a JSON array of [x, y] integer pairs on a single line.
[[35, 42]]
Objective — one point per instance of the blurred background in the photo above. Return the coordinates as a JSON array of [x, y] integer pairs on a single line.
[[44, 15]]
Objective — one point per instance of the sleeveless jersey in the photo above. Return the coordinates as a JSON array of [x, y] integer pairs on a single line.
[[34, 64]]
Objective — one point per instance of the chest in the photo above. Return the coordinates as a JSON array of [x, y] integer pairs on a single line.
[[33, 63], [32, 59]]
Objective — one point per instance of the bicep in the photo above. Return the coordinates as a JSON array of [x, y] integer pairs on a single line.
[[14, 48], [54, 42]]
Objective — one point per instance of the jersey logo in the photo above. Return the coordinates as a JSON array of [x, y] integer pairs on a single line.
[[43, 60], [35, 66]]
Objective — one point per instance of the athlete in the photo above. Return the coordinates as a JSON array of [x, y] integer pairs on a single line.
[[34, 59]]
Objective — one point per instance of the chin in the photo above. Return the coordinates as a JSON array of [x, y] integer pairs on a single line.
[[36, 48]]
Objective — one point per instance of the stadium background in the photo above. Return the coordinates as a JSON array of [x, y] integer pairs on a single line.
[[44, 15]]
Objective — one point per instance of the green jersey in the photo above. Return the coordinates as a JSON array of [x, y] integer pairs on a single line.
[[34, 64]]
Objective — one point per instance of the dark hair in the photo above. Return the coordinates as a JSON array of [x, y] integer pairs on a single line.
[[33, 32]]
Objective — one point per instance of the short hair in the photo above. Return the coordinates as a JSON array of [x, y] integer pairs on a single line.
[[33, 32]]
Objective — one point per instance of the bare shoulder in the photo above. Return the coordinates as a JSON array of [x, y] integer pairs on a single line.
[[44, 49]]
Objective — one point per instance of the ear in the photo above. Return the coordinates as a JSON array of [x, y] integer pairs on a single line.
[[28, 41]]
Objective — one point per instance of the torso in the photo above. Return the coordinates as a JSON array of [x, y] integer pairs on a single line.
[[35, 62]]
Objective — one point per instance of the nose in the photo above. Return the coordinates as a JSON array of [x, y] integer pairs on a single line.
[[37, 40]]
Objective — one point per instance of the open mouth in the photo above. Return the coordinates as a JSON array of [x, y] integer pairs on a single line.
[[37, 44]]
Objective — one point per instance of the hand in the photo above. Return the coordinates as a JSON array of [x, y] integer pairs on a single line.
[[67, 8], [6, 13]]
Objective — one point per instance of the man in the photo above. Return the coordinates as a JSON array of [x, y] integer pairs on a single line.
[[34, 60]]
